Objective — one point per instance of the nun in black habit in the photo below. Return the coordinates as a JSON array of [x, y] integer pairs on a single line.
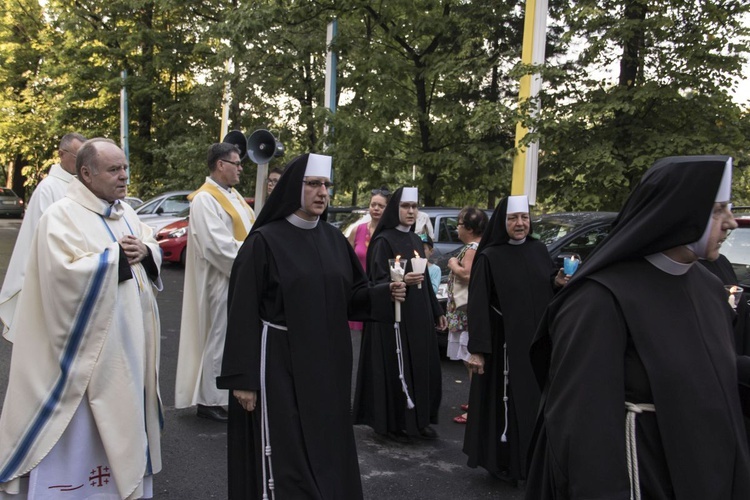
[[511, 283], [288, 355], [637, 358], [723, 269], [380, 401]]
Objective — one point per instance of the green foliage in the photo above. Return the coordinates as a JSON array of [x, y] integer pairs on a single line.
[[427, 90]]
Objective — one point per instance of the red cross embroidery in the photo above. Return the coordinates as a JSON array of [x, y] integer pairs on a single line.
[[100, 476]]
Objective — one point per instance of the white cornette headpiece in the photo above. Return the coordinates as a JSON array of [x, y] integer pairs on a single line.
[[517, 204], [318, 166], [410, 195], [723, 194]]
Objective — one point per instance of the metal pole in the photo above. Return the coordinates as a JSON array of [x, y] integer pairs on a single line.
[[260, 186], [124, 120], [534, 37]]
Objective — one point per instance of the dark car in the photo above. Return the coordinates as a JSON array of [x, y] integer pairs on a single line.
[[10, 204], [736, 248]]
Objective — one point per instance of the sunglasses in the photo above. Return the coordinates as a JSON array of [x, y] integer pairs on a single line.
[[381, 192]]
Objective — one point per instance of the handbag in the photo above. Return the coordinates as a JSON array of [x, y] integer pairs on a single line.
[[460, 293]]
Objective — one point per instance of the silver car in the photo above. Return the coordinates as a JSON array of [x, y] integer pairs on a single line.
[[10, 204]]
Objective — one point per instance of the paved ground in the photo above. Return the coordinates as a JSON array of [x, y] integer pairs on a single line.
[[194, 450]]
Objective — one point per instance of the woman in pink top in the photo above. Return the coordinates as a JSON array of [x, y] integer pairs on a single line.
[[360, 237]]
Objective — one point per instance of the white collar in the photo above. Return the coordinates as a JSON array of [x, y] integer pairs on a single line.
[[301, 223], [403, 229], [669, 266], [516, 242]]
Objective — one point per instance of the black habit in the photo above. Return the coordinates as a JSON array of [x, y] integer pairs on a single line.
[[310, 281], [509, 290], [634, 327], [379, 400]]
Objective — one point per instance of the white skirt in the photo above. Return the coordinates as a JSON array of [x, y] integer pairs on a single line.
[[76, 467], [457, 346]]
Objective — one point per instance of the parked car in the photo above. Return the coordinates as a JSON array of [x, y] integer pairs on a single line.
[[163, 209], [133, 201], [172, 239], [736, 248], [10, 204]]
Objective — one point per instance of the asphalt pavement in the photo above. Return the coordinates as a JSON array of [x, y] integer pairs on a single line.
[[194, 449]]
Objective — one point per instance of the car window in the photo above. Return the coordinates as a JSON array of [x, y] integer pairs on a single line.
[[448, 230], [148, 208], [736, 248], [175, 204], [585, 243], [549, 232]]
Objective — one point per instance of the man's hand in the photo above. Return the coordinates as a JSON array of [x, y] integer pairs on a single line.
[[398, 291], [134, 248], [247, 399]]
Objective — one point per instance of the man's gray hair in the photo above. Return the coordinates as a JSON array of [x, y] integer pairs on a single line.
[[220, 151], [68, 139], [88, 153]]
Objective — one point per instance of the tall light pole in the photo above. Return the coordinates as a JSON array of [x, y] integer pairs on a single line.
[[534, 38]]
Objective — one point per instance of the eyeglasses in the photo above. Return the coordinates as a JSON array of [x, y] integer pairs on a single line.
[[381, 192], [74, 155], [273, 181], [235, 163], [317, 184]]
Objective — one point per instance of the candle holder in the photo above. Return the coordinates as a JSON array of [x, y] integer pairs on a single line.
[[418, 265], [734, 292], [397, 269], [570, 264]]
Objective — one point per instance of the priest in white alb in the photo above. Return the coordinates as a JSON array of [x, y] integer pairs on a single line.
[[48, 191], [82, 415], [219, 222]]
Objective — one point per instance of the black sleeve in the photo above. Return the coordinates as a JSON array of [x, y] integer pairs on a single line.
[[123, 268]]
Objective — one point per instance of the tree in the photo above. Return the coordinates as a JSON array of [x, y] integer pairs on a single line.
[[676, 62]]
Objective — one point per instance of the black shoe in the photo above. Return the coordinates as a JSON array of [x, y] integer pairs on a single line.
[[505, 476], [399, 437], [428, 433], [216, 413]]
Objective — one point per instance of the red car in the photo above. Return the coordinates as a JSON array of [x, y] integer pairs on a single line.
[[172, 240]]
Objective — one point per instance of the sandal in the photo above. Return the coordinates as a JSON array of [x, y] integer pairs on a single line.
[[461, 419], [465, 407]]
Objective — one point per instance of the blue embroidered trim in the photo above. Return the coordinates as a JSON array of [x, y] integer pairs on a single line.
[[69, 356]]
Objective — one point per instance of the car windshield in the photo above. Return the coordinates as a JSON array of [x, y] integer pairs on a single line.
[[736, 248], [549, 230]]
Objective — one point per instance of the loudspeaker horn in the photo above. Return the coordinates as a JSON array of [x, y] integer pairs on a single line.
[[261, 146], [238, 139]]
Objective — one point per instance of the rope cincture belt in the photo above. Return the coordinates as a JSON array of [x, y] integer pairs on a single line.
[[634, 409], [400, 355], [506, 370], [265, 436]]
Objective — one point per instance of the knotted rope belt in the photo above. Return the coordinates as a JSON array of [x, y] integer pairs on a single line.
[[630, 442], [265, 435], [400, 355]]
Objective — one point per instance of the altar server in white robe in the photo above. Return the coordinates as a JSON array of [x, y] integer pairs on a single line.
[[220, 219], [82, 414], [48, 191]]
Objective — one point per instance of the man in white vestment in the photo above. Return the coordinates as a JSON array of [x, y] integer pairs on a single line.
[[220, 219], [48, 191], [82, 415]]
